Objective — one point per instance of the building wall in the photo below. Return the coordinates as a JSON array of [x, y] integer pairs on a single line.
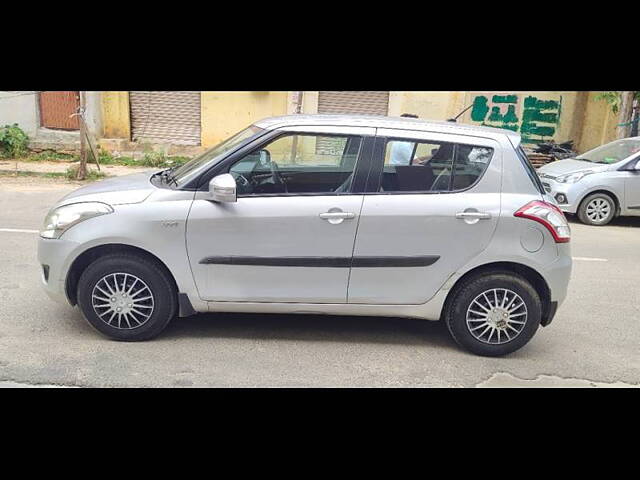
[[560, 116], [599, 123], [22, 109], [116, 121], [226, 113]]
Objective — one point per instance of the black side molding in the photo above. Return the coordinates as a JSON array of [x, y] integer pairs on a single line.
[[394, 262], [324, 262], [330, 262]]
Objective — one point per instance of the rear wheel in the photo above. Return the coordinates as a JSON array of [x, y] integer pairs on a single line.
[[597, 209], [494, 314], [127, 297]]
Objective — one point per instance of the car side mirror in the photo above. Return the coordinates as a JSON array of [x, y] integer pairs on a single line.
[[223, 189], [636, 167]]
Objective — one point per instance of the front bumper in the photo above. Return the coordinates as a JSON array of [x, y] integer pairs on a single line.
[[568, 195], [57, 255]]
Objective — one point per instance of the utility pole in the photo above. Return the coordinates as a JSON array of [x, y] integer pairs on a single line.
[[625, 113], [297, 101], [82, 168]]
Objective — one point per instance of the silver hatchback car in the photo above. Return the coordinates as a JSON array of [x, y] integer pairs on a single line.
[[598, 185], [341, 215]]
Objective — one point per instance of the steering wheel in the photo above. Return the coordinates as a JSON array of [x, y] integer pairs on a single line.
[[242, 182], [277, 178]]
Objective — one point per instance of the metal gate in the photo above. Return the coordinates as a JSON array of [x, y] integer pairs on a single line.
[[57, 108], [354, 102], [166, 117], [349, 102]]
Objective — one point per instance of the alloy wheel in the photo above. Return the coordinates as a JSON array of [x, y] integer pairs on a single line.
[[122, 301], [598, 210], [497, 316]]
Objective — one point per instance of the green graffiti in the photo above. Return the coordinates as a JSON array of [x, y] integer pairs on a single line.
[[505, 99], [533, 115], [540, 118], [496, 116], [533, 129], [510, 116], [540, 111], [506, 126], [480, 109], [535, 103]]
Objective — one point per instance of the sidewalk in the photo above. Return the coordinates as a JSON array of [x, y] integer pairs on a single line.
[[9, 166]]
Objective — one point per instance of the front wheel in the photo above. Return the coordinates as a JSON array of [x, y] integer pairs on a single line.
[[597, 209], [127, 297], [494, 314]]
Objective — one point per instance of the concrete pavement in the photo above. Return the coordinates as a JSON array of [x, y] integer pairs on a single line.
[[594, 340]]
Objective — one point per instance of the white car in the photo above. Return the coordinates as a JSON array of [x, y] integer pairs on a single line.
[[599, 185], [341, 215]]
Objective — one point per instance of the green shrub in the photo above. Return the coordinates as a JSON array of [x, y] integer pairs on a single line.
[[50, 156], [150, 159], [13, 141], [72, 173]]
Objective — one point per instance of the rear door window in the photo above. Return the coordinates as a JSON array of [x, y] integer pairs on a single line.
[[430, 167]]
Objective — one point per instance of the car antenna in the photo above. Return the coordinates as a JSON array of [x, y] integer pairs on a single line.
[[455, 119]]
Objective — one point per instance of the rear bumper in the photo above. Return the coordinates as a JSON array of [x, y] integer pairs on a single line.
[[548, 316], [558, 274]]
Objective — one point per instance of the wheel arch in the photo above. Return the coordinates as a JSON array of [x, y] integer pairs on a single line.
[[616, 200], [532, 276], [87, 257]]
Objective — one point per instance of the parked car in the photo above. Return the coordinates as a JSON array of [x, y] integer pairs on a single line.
[[599, 185], [341, 215]]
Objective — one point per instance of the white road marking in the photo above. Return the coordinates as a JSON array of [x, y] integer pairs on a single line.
[[590, 259], [17, 230]]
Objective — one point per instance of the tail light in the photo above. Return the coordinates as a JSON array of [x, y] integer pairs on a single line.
[[550, 216]]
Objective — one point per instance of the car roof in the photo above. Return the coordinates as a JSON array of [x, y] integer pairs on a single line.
[[400, 123]]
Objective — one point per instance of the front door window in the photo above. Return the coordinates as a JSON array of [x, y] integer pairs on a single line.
[[299, 164]]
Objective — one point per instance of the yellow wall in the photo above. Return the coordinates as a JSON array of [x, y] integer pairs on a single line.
[[226, 113], [583, 119], [427, 105], [115, 115], [599, 123]]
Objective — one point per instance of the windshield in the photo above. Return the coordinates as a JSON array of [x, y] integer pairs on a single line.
[[613, 152], [195, 167]]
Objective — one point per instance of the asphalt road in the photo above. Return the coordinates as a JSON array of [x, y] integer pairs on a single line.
[[593, 341]]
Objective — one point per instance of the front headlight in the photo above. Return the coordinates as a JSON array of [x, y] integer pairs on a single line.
[[573, 177], [60, 219]]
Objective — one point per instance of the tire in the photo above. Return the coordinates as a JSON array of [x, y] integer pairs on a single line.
[[460, 320], [593, 206], [151, 290]]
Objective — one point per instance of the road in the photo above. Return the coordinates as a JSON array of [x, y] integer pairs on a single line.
[[593, 341]]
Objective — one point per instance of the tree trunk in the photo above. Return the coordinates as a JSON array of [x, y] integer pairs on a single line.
[[82, 167], [625, 113]]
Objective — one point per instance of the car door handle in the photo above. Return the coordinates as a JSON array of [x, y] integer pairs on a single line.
[[473, 216], [337, 215], [335, 218]]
